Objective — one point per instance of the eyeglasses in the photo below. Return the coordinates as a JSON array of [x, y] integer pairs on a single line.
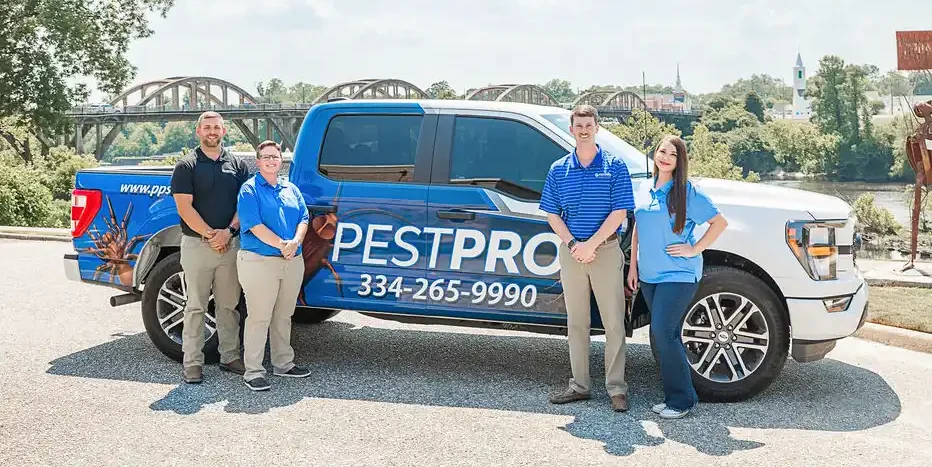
[[265, 157]]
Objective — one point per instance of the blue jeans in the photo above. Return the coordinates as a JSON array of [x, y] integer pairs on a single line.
[[667, 302]]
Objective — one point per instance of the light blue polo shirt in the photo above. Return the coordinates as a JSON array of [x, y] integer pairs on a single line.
[[584, 196], [655, 233], [281, 208]]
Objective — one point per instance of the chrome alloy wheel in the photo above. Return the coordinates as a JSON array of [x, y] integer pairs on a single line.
[[726, 337], [170, 309]]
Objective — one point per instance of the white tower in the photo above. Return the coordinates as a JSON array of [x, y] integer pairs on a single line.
[[801, 107]]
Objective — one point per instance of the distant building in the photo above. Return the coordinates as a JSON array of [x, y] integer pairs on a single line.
[[678, 101], [800, 108]]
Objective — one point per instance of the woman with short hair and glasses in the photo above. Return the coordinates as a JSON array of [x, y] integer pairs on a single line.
[[273, 221]]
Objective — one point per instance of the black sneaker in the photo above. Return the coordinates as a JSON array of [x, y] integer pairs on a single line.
[[258, 384], [294, 372]]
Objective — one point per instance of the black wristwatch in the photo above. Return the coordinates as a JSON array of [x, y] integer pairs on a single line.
[[571, 243], [233, 232]]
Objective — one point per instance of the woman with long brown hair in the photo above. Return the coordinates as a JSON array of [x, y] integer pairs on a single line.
[[667, 261]]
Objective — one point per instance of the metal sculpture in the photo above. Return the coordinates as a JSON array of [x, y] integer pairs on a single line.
[[914, 52], [919, 154]]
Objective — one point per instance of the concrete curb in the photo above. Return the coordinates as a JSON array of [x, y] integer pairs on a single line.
[[49, 238], [897, 337], [876, 282], [35, 233]]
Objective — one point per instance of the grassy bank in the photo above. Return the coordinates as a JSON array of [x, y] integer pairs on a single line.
[[903, 307]]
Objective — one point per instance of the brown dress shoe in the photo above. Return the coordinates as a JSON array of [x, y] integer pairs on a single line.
[[192, 374], [568, 395], [235, 366], [620, 403]]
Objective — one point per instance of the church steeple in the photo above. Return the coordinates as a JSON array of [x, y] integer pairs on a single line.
[[679, 84], [799, 61]]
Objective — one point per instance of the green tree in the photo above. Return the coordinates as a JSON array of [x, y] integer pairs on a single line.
[[441, 90], [709, 158], [58, 170], [50, 47], [273, 92], [559, 89], [921, 83], [176, 136], [750, 149], [840, 106], [728, 118], [24, 200], [764, 85], [643, 131], [754, 105], [893, 82], [305, 93], [801, 146], [896, 132]]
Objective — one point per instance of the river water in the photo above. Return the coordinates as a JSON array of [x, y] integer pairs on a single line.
[[886, 195]]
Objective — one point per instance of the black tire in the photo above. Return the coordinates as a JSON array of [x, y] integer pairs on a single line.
[[163, 271], [728, 280], [305, 315]]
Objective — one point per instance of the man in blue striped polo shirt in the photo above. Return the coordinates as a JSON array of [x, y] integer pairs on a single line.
[[587, 195]]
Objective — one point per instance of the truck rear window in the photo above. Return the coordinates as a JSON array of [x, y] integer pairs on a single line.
[[371, 148]]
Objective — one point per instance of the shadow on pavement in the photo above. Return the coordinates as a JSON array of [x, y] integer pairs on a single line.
[[513, 373]]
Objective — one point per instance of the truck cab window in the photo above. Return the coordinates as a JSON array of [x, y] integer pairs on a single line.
[[372, 148], [505, 155]]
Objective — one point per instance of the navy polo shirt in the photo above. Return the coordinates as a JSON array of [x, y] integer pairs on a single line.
[[655, 233], [584, 196], [281, 208]]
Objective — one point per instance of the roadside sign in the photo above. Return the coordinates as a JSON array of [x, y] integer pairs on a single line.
[[914, 50]]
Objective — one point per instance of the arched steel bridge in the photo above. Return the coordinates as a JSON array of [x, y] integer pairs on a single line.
[[184, 98]]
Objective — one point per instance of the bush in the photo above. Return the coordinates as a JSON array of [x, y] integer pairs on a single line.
[[872, 219], [168, 160], [59, 214], [24, 199], [59, 170]]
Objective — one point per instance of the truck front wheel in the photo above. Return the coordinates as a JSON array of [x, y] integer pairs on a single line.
[[735, 334], [163, 300]]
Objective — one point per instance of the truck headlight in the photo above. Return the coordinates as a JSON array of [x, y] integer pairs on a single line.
[[813, 244]]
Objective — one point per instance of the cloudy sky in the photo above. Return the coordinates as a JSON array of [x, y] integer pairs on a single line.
[[478, 42]]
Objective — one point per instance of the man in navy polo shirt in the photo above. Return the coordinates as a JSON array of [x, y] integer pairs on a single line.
[[587, 195]]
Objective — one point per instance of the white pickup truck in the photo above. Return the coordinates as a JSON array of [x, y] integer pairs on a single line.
[[428, 211]]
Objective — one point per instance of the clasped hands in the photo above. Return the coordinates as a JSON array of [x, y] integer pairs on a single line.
[[288, 248], [219, 239], [584, 252]]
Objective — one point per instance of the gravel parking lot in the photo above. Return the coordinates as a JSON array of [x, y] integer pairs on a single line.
[[82, 385]]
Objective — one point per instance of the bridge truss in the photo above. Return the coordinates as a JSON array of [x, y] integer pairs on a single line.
[[184, 98]]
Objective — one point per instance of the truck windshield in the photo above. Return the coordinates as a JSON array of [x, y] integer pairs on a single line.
[[634, 159]]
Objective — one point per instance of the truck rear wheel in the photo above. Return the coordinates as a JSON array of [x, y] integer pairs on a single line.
[[163, 300], [735, 334], [306, 315]]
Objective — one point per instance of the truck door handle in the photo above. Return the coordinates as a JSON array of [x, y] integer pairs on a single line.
[[321, 208], [456, 215]]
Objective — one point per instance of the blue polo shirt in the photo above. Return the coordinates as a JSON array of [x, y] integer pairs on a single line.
[[584, 196], [655, 233], [281, 208]]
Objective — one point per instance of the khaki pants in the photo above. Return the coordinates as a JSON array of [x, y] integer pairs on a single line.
[[604, 277], [205, 270], [271, 285]]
